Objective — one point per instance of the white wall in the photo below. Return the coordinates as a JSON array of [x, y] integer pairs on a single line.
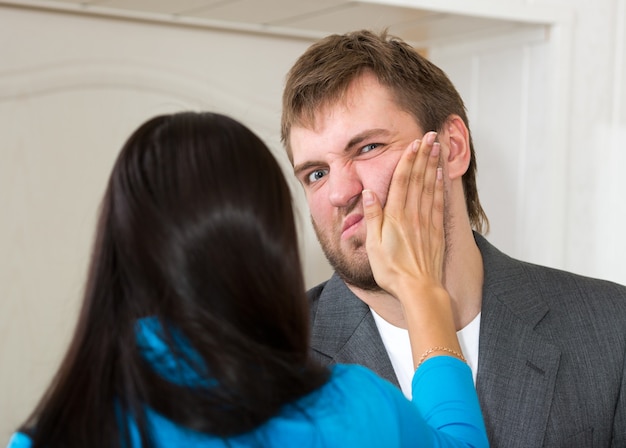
[[72, 88], [597, 185]]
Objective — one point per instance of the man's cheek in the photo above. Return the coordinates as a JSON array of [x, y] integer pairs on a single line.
[[385, 184]]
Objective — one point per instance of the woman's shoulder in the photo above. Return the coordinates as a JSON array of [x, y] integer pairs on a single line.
[[19, 440], [341, 372], [360, 385], [353, 376]]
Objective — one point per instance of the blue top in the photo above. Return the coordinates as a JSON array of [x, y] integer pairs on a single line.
[[354, 408]]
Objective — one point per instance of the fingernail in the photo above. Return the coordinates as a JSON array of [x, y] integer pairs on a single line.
[[368, 197], [439, 173], [435, 151], [415, 145], [430, 137]]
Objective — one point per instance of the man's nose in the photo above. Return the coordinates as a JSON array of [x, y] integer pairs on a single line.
[[344, 185]]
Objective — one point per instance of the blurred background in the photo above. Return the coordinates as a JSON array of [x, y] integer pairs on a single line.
[[544, 83]]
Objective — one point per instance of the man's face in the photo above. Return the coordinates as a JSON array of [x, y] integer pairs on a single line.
[[355, 145]]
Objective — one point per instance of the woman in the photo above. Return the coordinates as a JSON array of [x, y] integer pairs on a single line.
[[194, 325]]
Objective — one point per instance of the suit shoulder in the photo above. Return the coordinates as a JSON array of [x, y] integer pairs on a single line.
[[316, 291], [574, 294], [556, 278], [313, 295], [501, 270]]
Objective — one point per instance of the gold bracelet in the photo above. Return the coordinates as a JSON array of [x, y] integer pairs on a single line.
[[440, 349]]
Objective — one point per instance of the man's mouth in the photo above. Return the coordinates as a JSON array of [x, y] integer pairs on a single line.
[[350, 225]]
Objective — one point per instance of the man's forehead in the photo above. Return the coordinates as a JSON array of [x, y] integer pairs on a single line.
[[317, 113], [316, 118]]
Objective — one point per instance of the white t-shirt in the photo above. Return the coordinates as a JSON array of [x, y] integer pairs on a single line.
[[398, 347]]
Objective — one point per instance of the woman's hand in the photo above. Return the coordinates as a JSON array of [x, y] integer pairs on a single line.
[[405, 240]]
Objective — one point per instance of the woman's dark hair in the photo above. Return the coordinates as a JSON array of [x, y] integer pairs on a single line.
[[196, 229]]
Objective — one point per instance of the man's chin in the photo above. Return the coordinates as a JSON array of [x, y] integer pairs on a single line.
[[350, 262], [357, 274], [363, 284]]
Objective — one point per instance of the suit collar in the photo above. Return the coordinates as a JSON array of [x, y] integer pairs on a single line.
[[344, 330], [506, 280]]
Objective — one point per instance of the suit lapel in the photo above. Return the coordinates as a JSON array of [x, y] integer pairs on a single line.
[[517, 366], [344, 331]]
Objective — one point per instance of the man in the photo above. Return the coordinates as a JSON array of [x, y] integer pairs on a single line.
[[547, 348]]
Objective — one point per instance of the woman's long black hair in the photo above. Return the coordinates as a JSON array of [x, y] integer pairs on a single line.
[[196, 229]]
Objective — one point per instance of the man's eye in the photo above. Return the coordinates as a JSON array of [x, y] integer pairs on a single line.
[[317, 175], [370, 147]]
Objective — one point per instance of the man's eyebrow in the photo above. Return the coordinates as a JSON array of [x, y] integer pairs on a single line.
[[365, 135], [305, 167], [357, 139]]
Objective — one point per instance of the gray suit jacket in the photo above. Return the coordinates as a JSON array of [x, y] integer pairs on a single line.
[[552, 356]]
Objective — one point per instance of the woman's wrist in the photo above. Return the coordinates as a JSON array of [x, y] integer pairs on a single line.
[[415, 294]]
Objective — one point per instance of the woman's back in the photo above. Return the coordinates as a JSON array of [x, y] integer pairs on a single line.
[[354, 408]]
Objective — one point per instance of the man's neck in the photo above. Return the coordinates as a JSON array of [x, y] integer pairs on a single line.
[[463, 281], [464, 275]]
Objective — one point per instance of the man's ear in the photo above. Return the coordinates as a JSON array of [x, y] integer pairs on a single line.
[[456, 137]]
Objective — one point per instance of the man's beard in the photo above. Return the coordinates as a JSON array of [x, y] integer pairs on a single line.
[[354, 269]]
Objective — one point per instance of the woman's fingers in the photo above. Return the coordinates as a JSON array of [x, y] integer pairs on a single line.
[[401, 179], [425, 207], [373, 213], [420, 175]]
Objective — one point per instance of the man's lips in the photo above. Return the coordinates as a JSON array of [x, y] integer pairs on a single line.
[[350, 224]]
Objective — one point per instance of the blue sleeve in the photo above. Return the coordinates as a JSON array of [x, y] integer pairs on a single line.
[[19, 440], [445, 412], [444, 393]]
